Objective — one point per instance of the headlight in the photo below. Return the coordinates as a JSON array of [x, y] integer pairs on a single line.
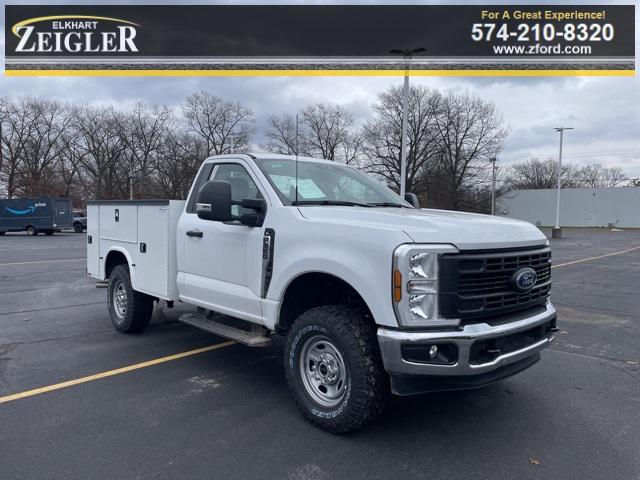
[[415, 285]]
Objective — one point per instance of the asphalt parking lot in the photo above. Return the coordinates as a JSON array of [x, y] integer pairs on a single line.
[[226, 413]]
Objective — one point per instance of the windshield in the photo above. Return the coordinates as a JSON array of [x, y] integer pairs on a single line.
[[326, 183]]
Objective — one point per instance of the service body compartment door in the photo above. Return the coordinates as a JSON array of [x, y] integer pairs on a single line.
[[152, 262], [93, 241], [119, 222]]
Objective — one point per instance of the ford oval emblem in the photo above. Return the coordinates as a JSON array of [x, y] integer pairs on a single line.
[[524, 279]]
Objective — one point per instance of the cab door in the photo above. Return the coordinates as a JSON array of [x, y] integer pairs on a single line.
[[219, 269]]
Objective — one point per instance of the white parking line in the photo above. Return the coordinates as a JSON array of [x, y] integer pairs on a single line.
[[43, 261], [595, 258]]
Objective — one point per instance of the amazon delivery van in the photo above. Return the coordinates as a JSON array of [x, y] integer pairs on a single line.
[[35, 215]]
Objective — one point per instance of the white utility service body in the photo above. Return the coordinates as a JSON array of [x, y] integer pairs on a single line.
[[145, 233], [270, 267]]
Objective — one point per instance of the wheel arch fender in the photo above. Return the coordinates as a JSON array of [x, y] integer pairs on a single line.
[[345, 283], [115, 256]]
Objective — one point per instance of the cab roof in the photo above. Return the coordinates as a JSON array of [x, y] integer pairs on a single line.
[[258, 156]]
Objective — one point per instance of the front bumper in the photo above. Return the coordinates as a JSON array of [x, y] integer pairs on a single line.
[[471, 367]]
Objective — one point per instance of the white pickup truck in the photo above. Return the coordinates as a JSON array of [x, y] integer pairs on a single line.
[[372, 293]]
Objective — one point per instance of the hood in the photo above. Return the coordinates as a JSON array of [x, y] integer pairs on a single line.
[[466, 231]]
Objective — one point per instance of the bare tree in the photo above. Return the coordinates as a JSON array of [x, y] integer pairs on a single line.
[[141, 132], [327, 128], [38, 168], [469, 131], [179, 158], [352, 148], [382, 135], [102, 149], [17, 127], [325, 131], [598, 176], [281, 136], [224, 126], [70, 168], [540, 174], [634, 182]]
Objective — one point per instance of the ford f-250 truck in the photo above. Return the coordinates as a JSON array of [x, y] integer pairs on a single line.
[[372, 293]]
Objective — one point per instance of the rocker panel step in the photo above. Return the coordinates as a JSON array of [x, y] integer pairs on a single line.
[[242, 336]]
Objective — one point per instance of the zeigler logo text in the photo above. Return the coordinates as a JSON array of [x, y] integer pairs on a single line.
[[75, 34]]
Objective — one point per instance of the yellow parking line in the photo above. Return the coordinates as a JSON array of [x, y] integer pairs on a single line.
[[43, 261], [595, 258], [111, 373]]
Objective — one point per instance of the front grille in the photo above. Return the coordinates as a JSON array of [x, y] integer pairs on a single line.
[[476, 286]]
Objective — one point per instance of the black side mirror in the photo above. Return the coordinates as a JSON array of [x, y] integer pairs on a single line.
[[214, 201], [251, 219], [412, 198], [256, 204]]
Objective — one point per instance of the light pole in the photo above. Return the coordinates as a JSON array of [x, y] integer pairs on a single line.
[[407, 54], [557, 231], [493, 184], [131, 179]]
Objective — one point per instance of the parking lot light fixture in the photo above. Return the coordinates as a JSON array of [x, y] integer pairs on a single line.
[[557, 231], [406, 54]]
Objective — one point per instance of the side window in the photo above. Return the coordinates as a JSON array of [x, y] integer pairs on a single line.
[[242, 185], [203, 176]]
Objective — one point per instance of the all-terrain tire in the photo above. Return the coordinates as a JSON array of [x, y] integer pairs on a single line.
[[135, 310], [354, 338], [32, 231]]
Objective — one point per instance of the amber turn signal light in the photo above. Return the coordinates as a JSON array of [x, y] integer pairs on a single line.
[[397, 286]]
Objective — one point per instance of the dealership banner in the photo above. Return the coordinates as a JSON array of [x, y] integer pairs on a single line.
[[320, 39]]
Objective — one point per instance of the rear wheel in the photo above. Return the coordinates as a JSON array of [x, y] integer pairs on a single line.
[[130, 311], [32, 231], [77, 227], [334, 369]]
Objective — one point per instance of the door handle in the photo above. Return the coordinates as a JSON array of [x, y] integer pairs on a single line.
[[194, 233]]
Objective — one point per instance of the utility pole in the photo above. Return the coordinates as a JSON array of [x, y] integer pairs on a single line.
[[403, 142], [557, 231], [493, 184], [407, 54]]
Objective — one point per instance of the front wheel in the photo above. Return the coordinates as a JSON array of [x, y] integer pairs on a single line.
[[334, 369], [130, 311], [48, 232]]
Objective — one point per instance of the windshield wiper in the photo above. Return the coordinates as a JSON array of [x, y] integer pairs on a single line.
[[330, 202], [387, 204]]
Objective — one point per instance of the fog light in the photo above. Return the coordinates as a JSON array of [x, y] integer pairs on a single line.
[[429, 353]]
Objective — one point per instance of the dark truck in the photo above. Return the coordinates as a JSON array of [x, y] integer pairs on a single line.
[[79, 220], [35, 215]]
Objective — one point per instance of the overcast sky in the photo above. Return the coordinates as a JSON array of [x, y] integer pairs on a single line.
[[605, 111]]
